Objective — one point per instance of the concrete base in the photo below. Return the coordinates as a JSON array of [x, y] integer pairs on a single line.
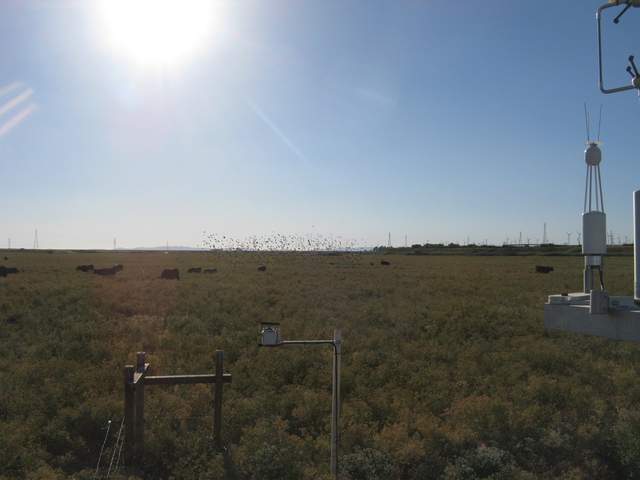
[[570, 313]]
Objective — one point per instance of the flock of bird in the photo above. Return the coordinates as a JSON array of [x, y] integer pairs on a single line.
[[277, 242]]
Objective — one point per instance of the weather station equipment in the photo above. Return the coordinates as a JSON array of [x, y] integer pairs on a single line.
[[631, 68], [270, 337], [593, 311]]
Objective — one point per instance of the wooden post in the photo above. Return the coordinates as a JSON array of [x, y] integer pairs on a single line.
[[139, 406], [129, 416], [217, 401]]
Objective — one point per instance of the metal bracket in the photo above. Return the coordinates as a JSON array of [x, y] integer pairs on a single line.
[[635, 83]]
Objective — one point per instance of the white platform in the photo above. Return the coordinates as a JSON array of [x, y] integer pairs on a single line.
[[570, 313]]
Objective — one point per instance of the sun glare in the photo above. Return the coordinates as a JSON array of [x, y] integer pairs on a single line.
[[157, 32]]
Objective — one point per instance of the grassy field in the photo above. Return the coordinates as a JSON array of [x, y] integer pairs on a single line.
[[447, 372]]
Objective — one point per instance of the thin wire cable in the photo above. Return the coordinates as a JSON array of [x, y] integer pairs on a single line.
[[118, 459], [104, 442], [115, 447], [586, 121], [599, 122]]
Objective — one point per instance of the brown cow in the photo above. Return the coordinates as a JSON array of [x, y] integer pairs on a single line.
[[262, 268], [105, 271], [170, 274]]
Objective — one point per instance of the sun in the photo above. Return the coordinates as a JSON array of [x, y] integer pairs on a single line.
[[157, 33]]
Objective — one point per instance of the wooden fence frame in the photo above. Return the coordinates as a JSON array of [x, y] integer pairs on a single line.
[[136, 378]]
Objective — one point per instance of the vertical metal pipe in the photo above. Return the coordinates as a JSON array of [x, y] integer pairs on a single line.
[[586, 283], [590, 183], [335, 404], [586, 189], [600, 187], [217, 401], [636, 246]]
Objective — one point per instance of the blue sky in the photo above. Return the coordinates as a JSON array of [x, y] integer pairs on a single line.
[[438, 120]]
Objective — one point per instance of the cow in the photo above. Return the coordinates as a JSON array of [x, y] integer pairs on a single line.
[[170, 274], [195, 270], [384, 262], [4, 271], [118, 267], [84, 268], [543, 269], [105, 271], [262, 268], [210, 270]]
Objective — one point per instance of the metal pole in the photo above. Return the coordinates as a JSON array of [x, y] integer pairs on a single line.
[[217, 401], [636, 246], [335, 406]]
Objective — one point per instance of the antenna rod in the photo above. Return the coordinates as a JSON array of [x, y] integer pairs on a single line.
[[586, 121], [599, 122]]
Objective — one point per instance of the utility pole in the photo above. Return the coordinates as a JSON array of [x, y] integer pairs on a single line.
[[568, 238], [389, 241], [35, 240], [544, 233]]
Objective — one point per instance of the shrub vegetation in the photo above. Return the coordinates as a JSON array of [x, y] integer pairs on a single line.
[[447, 372]]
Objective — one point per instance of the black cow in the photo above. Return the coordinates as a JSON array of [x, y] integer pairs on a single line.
[[84, 268], [106, 272], [210, 270], [170, 274], [384, 262], [195, 270], [4, 271], [262, 268], [543, 269]]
